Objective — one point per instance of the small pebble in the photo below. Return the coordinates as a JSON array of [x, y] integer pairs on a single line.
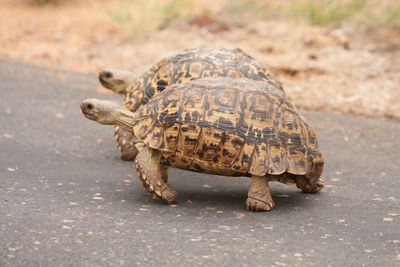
[[240, 215]]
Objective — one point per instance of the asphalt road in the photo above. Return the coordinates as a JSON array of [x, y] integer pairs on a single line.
[[66, 199]]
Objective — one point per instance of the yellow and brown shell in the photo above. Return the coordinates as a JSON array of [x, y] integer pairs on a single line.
[[246, 125], [192, 64]]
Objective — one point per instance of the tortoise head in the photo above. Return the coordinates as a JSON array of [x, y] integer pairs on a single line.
[[108, 113], [116, 80]]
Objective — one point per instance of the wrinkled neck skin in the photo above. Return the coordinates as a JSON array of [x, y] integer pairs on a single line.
[[123, 84], [125, 119], [130, 78]]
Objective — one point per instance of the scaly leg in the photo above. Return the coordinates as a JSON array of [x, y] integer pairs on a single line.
[[125, 143], [259, 198], [308, 186], [151, 173]]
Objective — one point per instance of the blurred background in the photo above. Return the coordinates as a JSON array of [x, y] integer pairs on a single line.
[[337, 56]]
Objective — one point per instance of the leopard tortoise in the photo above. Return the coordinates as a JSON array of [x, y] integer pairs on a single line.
[[222, 126], [206, 61]]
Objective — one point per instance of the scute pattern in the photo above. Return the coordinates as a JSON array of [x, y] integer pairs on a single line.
[[195, 63], [246, 125], [188, 65]]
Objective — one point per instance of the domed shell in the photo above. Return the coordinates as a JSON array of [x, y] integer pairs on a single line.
[[206, 61], [249, 126]]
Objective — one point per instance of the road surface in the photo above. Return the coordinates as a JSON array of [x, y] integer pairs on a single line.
[[68, 200]]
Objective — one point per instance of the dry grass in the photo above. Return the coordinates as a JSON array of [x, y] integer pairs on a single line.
[[141, 16], [358, 14], [43, 2], [334, 13], [327, 12]]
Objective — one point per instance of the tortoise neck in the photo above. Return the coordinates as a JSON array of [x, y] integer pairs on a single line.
[[126, 119]]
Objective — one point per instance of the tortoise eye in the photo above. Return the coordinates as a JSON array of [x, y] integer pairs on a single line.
[[90, 106], [108, 74]]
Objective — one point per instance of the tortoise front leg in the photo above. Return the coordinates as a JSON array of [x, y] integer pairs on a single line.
[[125, 143], [164, 173], [152, 174], [259, 198]]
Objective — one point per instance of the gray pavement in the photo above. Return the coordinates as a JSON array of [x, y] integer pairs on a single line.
[[66, 199]]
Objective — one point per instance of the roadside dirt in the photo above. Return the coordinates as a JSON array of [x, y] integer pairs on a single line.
[[321, 69]]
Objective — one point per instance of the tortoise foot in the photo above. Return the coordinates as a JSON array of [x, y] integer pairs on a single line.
[[313, 188], [259, 205], [125, 144], [153, 175], [259, 198], [169, 195]]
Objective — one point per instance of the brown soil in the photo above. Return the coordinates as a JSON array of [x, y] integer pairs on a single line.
[[321, 69]]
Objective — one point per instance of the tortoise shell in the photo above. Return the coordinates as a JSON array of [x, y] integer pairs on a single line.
[[192, 64], [247, 126]]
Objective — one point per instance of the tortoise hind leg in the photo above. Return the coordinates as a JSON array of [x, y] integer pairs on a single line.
[[125, 143], [152, 174], [307, 185], [259, 197]]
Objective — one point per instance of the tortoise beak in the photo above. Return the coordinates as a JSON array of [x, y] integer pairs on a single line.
[[104, 77], [88, 109]]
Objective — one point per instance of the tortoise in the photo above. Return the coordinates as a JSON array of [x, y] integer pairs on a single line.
[[206, 61], [221, 126]]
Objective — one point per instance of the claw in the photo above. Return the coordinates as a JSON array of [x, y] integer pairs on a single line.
[[258, 205]]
